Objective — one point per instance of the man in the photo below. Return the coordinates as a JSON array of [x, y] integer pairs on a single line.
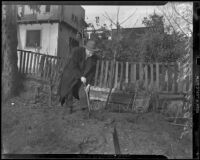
[[80, 69]]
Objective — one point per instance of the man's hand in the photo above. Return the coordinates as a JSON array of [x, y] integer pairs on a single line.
[[87, 88], [83, 79]]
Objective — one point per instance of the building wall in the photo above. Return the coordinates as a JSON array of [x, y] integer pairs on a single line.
[[54, 11], [76, 10], [64, 40], [49, 37], [54, 37], [58, 12]]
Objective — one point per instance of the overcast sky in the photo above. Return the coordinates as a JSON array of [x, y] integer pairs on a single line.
[[125, 11]]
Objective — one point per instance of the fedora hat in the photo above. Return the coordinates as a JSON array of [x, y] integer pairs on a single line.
[[91, 46]]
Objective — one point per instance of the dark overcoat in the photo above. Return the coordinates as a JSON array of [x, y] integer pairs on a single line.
[[76, 67]]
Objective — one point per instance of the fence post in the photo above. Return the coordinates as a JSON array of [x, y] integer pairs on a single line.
[[133, 72], [146, 75], [27, 62], [167, 78], [176, 78], [106, 75], [34, 64], [24, 61], [38, 64], [48, 67], [111, 73], [101, 75], [126, 72], [20, 65], [18, 61], [157, 76], [140, 72], [121, 74], [31, 64], [54, 71], [151, 65], [116, 75]]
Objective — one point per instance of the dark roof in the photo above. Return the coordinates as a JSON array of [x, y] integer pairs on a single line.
[[130, 32], [46, 21]]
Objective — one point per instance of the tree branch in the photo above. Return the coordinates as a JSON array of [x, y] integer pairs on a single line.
[[180, 27], [110, 18], [174, 8], [118, 15], [128, 17], [167, 19]]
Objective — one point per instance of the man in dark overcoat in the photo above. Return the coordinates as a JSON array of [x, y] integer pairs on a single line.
[[80, 69]]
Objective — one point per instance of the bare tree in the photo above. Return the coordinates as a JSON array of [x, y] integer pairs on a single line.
[[179, 16], [11, 82], [9, 51], [115, 45]]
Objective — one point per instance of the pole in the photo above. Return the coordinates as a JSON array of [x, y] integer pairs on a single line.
[[88, 98], [113, 67]]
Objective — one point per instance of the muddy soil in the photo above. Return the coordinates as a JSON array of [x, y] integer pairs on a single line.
[[39, 129]]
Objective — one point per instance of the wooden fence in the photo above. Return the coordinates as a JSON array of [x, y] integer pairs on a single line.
[[35, 65], [162, 76]]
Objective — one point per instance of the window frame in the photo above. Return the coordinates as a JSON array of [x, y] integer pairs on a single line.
[[28, 30], [49, 7]]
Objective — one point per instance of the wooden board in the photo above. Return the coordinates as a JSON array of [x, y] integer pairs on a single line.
[[106, 74]]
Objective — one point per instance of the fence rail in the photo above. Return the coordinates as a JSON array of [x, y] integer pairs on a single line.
[[162, 76]]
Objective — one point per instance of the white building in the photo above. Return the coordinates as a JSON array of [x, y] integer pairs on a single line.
[[51, 31]]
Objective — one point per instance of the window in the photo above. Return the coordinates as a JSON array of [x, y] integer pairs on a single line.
[[73, 43], [74, 18], [47, 8], [33, 38]]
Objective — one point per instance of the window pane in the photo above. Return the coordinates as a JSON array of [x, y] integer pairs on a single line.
[[47, 8], [33, 38]]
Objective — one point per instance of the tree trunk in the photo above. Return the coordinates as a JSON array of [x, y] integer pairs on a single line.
[[10, 73]]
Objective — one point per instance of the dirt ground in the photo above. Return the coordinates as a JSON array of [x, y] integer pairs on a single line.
[[39, 129]]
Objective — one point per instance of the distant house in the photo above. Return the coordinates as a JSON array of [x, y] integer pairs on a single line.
[[51, 31]]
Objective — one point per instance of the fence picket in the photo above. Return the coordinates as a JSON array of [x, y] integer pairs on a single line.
[[27, 62], [167, 79], [127, 67], [116, 74], [34, 62], [24, 61], [133, 72], [101, 74], [140, 72], [46, 66], [30, 65], [111, 73], [151, 68], [146, 75], [121, 74], [175, 78], [157, 76], [38, 64], [106, 74], [20, 65]]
